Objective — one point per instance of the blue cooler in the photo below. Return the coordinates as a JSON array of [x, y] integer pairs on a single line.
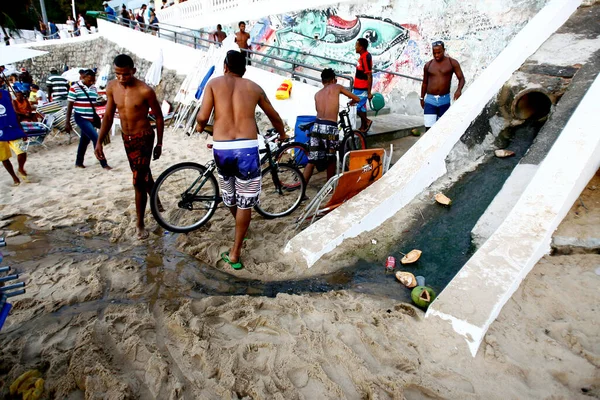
[[302, 136]]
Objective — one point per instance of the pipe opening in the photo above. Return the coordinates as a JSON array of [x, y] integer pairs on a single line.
[[532, 105]]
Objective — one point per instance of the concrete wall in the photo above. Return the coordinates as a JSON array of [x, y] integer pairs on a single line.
[[94, 51], [426, 160], [401, 32], [474, 298]]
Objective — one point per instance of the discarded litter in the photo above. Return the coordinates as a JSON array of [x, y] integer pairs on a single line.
[[411, 257], [407, 279], [442, 199], [504, 153], [390, 264], [422, 296], [420, 280]]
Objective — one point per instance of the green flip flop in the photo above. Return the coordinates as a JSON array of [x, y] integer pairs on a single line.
[[236, 265]]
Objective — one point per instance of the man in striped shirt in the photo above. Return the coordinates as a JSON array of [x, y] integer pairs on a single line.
[[82, 98], [58, 87]]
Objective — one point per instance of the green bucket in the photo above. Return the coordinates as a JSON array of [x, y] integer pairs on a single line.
[[377, 102]]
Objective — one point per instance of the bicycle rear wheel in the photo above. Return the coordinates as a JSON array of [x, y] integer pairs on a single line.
[[354, 141], [283, 188], [184, 197], [295, 154]]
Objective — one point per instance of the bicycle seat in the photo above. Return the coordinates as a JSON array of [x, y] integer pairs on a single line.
[[306, 127]]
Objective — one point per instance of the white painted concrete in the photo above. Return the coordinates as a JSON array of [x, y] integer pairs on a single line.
[[184, 59], [503, 203], [474, 298], [196, 14], [425, 161], [176, 56]]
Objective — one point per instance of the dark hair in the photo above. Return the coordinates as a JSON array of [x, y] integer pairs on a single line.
[[364, 43], [219, 26], [123, 61], [89, 72], [54, 71], [236, 62], [34, 86], [143, 5], [241, 23], [81, 71], [438, 43], [327, 75]]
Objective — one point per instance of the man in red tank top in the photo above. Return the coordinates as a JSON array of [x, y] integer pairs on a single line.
[[363, 81]]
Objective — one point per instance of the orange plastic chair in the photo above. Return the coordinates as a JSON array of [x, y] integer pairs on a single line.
[[366, 167]]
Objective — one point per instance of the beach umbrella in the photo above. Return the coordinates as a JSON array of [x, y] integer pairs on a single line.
[[13, 54], [154, 74], [72, 75], [103, 76]]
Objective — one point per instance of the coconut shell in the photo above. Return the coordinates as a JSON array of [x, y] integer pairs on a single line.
[[440, 198], [407, 279], [411, 257], [504, 153], [422, 296]]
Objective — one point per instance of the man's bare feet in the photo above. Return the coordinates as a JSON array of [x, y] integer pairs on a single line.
[[142, 233], [22, 171], [108, 168], [16, 182], [234, 257], [79, 166]]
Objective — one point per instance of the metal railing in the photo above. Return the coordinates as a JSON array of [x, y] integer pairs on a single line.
[[195, 40], [180, 37], [334, 60]]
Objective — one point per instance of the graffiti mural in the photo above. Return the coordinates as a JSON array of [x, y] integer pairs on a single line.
[[329, 41]]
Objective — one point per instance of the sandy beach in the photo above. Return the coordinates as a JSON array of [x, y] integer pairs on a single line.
[[108, 317]]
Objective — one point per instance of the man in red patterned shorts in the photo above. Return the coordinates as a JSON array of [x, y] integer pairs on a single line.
[[133, 99]]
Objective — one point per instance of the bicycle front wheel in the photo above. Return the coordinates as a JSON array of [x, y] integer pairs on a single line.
[[283, 188], [295, 154], [184, 197]]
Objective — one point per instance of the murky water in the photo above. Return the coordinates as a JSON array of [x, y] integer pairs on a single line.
[[443, 235]]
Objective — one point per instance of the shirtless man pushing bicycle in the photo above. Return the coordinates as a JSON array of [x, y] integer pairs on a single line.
[[235, 147], [133, 99]]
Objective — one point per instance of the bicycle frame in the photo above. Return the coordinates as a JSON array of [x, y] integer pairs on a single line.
[[211, 167]]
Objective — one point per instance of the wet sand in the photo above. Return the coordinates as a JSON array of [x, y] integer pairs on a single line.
[[108, 317]]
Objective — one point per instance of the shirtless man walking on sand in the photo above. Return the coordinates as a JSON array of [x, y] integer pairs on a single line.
[[324, 140], [133, 99], [235, 148], [435, 89]]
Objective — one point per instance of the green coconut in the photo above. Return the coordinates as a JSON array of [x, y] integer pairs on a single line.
[[422, 296]]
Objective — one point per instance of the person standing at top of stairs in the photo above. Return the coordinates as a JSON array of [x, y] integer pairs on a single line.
[[435, 89], [242, 38]]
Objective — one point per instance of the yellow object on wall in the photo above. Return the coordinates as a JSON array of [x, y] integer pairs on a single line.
[[284, 91]]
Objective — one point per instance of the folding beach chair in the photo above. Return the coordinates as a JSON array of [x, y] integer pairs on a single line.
[[364, 168], [35, 133]]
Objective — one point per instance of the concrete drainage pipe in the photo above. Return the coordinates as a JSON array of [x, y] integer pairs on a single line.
[[530, 104]]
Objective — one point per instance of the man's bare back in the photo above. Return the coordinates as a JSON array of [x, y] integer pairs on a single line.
[[241, 39], [219, 36], [327, 101], [234, 100], [133, 103]]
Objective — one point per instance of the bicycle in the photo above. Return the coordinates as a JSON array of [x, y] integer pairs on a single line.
[[296, 153], [186, 195]]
